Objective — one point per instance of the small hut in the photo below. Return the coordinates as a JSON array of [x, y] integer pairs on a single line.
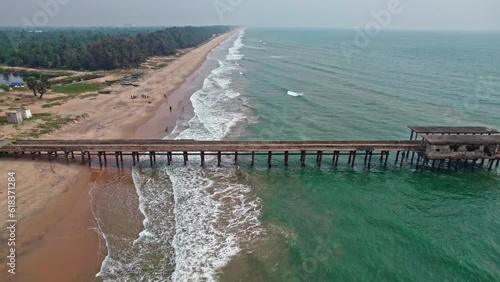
[[26, 114], [14, 117], [465, 147]]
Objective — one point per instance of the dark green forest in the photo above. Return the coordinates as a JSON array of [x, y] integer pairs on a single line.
[[97, 48]]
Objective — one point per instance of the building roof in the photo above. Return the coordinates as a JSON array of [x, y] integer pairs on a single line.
[[454, 129], [462, 139]]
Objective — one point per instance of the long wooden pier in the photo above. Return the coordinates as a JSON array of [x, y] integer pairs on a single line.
[[353, 150]]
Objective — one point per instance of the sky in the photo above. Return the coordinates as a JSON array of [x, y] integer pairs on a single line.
[[399, 14]]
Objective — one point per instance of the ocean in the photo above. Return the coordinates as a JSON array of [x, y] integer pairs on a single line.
[[243, 223]]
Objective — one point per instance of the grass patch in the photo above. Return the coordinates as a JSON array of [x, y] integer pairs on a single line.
[[51, 123], [45, 124], [70, 79], [3, 120], [87, 96], [76, 88], [71, 91], [46, 106]]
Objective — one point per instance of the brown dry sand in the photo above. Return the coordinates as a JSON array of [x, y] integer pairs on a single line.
[[56, 238]]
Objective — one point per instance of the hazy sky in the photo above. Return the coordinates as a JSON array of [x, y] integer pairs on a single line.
[[416, 14]]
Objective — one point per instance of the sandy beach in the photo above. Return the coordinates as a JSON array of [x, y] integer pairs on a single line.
[[56, 238]]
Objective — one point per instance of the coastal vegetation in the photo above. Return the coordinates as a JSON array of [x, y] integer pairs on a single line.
[[97, 48], [79, 87], [41, 85], [40, 124]]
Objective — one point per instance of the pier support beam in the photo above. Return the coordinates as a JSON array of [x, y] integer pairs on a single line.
[[269, 158], [253, 158], [370, 159], [286, 158], [151, 158], [320, 157], [336, 156], [303, 158], [169, 158], [202, 156], [490, 167], [236, 157], [474, 164], [99, 154], [185, 155], [219, 158], [354, 153], [117, 160], [424, 164]]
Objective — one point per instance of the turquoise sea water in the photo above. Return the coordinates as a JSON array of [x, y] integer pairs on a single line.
[[239, 223]]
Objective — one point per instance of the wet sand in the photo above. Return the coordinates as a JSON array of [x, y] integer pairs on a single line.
[[56, 237]]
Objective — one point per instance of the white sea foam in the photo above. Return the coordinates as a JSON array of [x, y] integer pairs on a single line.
[[153, 247], [214, 213], [294, 94], [196, 219]]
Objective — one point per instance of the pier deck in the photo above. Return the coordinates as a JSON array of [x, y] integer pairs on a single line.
[[212, 146], [185, 148]]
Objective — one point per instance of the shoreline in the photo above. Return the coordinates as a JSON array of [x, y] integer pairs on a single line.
[[64, 217]]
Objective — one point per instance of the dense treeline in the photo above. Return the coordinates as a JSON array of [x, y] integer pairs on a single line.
[[92, 49]]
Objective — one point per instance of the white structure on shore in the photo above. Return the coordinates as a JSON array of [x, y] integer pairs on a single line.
[[14, 117], [26, 114]]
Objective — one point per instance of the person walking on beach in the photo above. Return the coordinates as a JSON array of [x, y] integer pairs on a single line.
[[170, 108]]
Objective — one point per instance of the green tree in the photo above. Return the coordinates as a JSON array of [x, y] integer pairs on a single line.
[[41, 88], [32, 84], [46, 81]]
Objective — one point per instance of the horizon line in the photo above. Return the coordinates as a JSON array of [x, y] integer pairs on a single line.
[[246, 26]]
